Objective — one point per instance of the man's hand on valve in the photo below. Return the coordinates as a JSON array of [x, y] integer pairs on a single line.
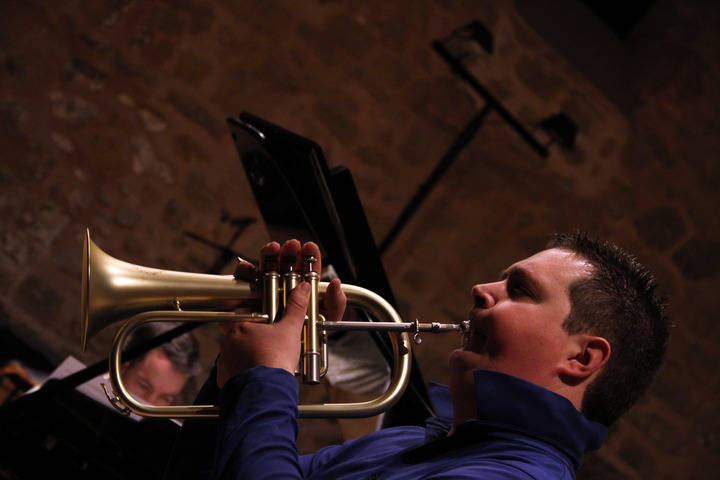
[[276, 345]]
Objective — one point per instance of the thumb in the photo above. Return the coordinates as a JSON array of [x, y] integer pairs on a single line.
[[297, 305]]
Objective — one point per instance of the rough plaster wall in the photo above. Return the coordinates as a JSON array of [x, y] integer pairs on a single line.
[[112, 116]]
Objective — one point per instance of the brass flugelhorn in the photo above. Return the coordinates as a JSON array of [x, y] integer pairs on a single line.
[[113, 291]]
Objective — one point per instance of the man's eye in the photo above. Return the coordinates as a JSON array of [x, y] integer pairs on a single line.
[[516, 290]]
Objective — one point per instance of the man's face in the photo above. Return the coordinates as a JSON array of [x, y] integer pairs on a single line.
[[516, 323], [153, 379]]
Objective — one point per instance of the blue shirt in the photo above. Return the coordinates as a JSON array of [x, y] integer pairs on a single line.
[[522, 431]]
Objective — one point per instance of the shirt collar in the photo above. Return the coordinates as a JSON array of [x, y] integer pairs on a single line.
[[534, 411]]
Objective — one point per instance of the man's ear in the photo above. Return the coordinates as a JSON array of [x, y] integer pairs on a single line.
[[588, 355]]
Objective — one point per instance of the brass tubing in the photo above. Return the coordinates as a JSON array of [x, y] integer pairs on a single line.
[[311, 342], [290, 281], [113, 290], [394, 327], [271, 281], [115, 361], [323, 350], [400, 341], [357, 296]]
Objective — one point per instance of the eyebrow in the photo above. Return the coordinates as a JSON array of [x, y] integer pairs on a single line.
[[142, 378]]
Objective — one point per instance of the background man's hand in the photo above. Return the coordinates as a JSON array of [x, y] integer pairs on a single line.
[[277, 345]]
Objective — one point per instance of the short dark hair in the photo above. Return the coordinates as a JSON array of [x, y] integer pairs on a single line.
[[182, 351], [618, 302]]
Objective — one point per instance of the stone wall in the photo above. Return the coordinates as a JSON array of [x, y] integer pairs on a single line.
[[112, 117]]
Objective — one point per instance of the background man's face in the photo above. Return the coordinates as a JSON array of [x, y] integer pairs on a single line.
[[516, 323], [153, 379]]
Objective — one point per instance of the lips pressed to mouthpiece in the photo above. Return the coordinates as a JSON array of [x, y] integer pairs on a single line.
[[475, 338]]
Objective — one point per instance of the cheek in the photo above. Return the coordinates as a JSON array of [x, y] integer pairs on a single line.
[[464, 361], [170, 383], [520, 334]]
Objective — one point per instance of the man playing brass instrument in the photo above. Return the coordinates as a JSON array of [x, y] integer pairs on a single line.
[[561, 346]]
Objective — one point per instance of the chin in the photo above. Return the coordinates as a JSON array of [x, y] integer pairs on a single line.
[[461, 380], [461, 360]]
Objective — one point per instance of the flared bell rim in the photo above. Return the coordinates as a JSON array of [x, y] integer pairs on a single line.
[[85, 293]]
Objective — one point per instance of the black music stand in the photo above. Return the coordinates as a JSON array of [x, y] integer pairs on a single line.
[[71, 435], [300, 197]]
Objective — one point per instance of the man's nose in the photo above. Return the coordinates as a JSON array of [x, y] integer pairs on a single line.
[[485, 295], [155, 399]]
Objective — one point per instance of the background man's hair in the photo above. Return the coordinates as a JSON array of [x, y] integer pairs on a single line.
[[183, 351], [619, 303]]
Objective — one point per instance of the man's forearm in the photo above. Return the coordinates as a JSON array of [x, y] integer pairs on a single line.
[[258, 426]]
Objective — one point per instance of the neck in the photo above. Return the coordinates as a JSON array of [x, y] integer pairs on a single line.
[[462, 413], [574, 393], [462, 395]]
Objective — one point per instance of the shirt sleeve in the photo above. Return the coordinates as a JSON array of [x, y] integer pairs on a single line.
[[487, 473], [258, 426]]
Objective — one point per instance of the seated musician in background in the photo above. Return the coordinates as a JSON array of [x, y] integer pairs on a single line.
[[155, 378], [159, 376], [561, 346]]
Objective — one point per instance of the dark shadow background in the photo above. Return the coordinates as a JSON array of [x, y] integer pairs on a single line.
[[112, 116]]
